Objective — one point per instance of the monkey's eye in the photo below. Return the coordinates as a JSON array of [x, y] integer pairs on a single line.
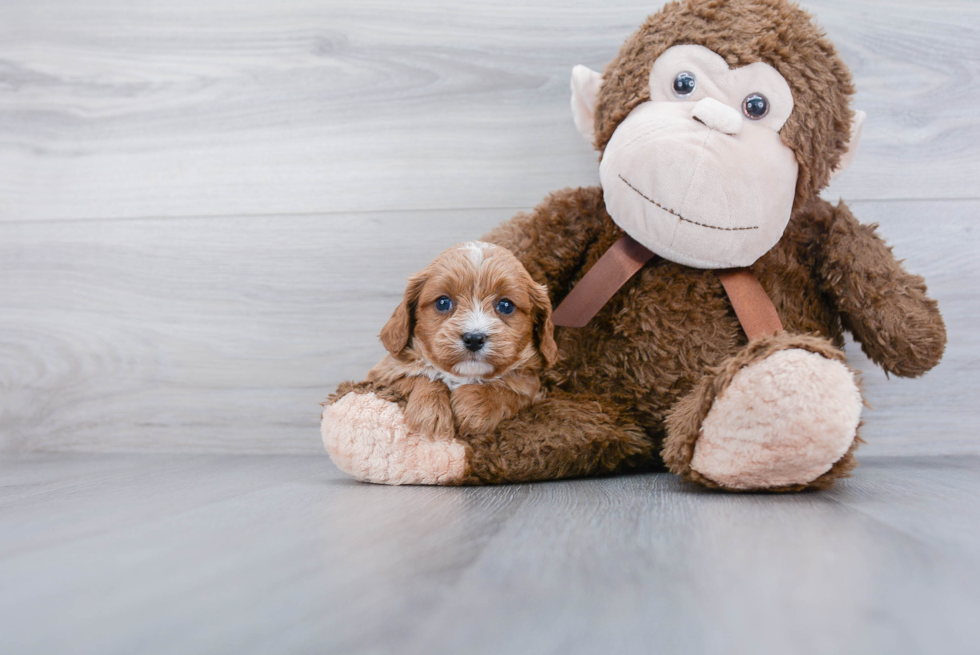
[[684, 84], [444, 304], [505, 306], [755, 106]]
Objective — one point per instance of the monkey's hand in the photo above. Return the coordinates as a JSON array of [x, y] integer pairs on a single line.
[[884, 307]]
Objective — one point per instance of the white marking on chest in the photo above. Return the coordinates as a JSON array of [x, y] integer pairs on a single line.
[[470, 373], [470, 369]]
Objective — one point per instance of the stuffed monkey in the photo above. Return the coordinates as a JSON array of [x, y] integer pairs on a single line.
[[703, 289]]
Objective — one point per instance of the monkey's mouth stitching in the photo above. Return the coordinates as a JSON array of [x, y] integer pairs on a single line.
[[686, 220]]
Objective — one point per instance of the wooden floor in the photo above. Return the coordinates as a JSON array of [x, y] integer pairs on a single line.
[[275, 554]]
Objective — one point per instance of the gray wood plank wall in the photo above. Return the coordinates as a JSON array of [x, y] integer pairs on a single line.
[[208, 209]]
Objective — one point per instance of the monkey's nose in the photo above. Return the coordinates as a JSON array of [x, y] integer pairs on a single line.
[[718, 116], [474, 340]]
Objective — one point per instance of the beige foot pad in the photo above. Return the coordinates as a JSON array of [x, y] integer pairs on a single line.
[[367, 438], [782, 421]]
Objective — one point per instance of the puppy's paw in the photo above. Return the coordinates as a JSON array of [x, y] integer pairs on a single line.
[[431, 419], [474, 410]]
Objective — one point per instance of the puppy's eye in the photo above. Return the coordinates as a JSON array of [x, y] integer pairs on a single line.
[[755, 106], [505, 306], [444, 304], [684, 84]]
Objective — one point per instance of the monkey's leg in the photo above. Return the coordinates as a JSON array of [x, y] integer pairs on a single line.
[[561, 436], [365, 434], [781, 415]]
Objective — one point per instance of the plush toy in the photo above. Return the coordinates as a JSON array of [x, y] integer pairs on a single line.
[[703, 290]]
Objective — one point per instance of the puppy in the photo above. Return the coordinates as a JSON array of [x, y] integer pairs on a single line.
[[467, 341]]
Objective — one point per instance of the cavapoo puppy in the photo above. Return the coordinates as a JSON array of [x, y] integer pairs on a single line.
[[467, 342]]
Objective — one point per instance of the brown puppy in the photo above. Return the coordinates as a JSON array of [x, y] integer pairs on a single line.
[[467, 342]]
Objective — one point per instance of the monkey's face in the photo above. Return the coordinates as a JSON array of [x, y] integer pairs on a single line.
[[699, 174]]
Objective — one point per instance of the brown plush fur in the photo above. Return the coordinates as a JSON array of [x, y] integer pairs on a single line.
[[672, 328], [640, 377], [564, 435], [427, 350]]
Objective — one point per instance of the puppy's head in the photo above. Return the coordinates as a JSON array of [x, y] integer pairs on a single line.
[[474, 312]]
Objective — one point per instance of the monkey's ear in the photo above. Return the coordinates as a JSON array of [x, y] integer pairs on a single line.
[[397, 332], [585, 90], [857, 127]]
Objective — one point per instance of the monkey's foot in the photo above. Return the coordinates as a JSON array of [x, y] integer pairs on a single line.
[[366, 437], [780, 416]]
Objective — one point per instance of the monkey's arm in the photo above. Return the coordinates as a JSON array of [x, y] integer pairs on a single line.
[[551, 240], [884, 307]]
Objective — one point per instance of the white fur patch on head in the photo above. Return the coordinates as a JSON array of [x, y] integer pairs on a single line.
[[477, 251], [782, 421]]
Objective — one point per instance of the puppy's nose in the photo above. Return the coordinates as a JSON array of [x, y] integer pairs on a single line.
[[474, 340]]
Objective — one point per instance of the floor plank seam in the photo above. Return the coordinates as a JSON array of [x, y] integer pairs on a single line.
[[378, 212]]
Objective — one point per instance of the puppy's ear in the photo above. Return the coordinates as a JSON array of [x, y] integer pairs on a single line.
[[397, 332], [544, 329]]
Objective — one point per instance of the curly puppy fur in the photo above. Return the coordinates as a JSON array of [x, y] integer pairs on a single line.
[[451, 386], [670, 333]]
